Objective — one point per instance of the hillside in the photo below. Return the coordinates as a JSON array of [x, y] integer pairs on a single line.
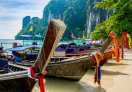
[[80, 17]]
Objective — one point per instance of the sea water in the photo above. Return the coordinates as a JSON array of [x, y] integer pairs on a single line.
[[8, 43]]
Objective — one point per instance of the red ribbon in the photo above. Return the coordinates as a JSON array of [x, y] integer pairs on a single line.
[[127, 43], [32, 72], [40, 77], [116, 47], [124, 37], [41, 83]]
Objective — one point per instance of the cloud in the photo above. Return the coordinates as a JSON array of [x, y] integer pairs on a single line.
[[13, 4], [22, 4], [13, 11]]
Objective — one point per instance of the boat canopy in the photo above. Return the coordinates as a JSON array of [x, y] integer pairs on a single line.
[[31, 36], [24, 48], [79, 41]]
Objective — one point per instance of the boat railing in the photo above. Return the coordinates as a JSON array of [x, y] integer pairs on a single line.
[[14, 75]]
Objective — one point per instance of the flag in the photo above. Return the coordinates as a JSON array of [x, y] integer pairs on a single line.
[[31, 29]]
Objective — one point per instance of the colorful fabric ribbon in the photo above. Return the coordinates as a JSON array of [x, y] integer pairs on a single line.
[[40, 77], [99, 72], [123, 38], [98, 58], [116, 47]]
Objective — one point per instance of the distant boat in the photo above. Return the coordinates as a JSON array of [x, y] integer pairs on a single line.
[[73, 68], [17, 79], [30, 52]]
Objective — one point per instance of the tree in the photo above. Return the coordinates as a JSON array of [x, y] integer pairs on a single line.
[[119, 21]]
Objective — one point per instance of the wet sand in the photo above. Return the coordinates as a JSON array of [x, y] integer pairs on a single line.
[[116, 77]]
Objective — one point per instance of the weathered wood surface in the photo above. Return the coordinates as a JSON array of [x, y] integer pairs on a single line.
[[73, 68], [103, 51], [16, 84], [106, 44], [55, 32]]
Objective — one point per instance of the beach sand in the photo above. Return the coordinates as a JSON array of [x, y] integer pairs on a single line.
[[116, 77]]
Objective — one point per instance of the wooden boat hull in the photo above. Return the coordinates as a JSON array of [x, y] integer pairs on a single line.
[[73, 69], [16, 85], [20, 81]]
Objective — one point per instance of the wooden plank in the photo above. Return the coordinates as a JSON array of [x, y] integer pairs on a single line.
[[106, 44], [18, 66], [14, 75]]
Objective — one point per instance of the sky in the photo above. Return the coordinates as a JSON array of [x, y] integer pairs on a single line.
[[12, 13]]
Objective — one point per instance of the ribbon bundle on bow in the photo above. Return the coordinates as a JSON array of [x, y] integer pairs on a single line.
[[40, 78], [98, 58], [116, 47], [123, 38]]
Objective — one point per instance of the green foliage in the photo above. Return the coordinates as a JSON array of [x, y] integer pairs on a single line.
[[75, 13], [107, 4], [120, 20], [99, 33]]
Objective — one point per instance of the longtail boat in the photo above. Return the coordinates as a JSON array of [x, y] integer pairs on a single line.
[[71, 68], [66, 67], [75, 67], [19, 81]]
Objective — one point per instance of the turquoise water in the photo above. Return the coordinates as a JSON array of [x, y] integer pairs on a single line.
[[8, 43]]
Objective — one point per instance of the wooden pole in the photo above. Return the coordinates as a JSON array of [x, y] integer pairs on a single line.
[[106, 44]]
